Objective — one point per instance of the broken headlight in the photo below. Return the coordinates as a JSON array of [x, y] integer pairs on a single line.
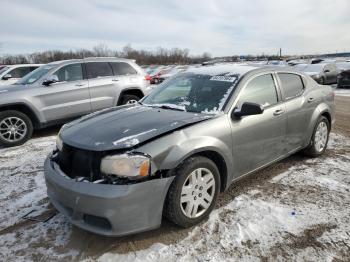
[[126, 165]]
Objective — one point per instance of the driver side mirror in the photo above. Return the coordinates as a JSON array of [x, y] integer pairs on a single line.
[[50, 80], [7, 77], [247, 109]]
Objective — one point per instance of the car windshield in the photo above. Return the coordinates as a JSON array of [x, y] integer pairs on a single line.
[[2, 70], [35, 75], [193, 93]]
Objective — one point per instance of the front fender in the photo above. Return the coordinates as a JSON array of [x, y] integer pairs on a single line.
[[169, 151]]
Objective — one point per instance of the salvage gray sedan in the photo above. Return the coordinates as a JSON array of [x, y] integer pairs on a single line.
[[119, 171]]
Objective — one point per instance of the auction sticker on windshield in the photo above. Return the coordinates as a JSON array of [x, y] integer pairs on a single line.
[[224, 78]]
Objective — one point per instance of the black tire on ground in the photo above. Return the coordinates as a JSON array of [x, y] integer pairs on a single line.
[[172, 206], [311, 150], [322, 81], [129, 98], [25, 119]]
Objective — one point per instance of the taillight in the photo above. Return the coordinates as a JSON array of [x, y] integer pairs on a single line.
[[148, 77]]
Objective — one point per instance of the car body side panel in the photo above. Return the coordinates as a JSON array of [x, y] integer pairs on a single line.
[[64, 100], [169, 151], [104, 90], [258, 139]]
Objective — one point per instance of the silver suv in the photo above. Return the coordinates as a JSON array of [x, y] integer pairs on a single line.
[[63, 90]]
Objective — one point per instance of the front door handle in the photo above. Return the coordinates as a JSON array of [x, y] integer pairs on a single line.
[[115, 80], [278, 112], [79, 84]]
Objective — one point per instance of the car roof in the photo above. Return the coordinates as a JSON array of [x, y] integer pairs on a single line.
[[92, 59], [239, 69], [23, 65]]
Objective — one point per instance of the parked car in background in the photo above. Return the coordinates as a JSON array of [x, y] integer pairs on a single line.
[[63, 90], [155, 72], [322, 73], [277, 63], [183, 144], [344, 75], [165, 74], [10, 74]]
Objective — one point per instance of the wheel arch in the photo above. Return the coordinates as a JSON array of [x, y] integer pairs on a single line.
[[130, 91], [25, 109], [322, 110], [217, 157]]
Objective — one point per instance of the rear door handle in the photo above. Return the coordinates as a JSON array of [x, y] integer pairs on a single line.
[[278, 112], [310, 99], [79, 84], [115, 80]]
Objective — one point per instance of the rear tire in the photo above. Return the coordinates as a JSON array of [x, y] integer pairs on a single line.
[[15, 128], [129, 99], [322, 81], [319, 139], [193, 193]]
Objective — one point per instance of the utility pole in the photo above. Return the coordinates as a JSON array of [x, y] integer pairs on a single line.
[[280, 53]]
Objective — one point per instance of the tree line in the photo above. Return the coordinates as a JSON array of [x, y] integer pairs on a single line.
[[163, 56], [143, 57]]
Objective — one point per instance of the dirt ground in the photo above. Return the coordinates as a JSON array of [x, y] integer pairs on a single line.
[[57, 240]]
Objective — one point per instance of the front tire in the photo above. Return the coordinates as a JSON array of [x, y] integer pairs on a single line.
[[15, 128], [319, 139], [193, 193]]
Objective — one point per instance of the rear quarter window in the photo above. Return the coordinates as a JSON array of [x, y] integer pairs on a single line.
[[122, 68], [98, 69], [292, 85]]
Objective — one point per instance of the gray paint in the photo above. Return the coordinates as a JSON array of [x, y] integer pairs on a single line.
[[246, 144]]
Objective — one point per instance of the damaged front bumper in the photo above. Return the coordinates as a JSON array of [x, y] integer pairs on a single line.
[[111, 210]]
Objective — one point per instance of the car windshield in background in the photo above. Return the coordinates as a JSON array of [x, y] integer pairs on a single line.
[[193, 93], [35, 75], [2, 70]]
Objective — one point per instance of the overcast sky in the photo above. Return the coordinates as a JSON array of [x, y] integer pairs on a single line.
[[229, 27]]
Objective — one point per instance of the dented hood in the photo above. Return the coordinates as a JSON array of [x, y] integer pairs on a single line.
[[125, 127]]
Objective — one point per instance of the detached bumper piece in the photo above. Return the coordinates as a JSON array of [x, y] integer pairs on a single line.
[[111, 210]]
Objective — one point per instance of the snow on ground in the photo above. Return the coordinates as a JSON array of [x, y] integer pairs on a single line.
[[300, 214]]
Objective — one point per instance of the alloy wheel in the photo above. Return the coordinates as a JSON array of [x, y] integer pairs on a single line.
[[321, 136], [13, 129], [197, 192]]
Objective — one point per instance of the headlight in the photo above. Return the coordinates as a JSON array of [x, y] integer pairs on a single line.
[[59, 143], [132, 166]]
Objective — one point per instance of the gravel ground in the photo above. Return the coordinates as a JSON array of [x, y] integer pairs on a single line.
[[297, 209]]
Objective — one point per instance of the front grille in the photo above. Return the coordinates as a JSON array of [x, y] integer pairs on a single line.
[[76, 162]]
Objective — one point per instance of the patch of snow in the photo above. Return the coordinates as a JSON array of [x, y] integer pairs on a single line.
[[131, 140]]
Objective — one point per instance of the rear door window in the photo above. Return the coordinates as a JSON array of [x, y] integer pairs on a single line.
[[68, 73], [261, 90], [98, 69], [292, 85], [122, 68], [19, 72]]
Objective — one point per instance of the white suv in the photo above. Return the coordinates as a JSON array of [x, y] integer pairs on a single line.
[[10, 74]]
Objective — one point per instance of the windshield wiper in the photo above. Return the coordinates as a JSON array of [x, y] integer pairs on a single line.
[[167, 106]]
